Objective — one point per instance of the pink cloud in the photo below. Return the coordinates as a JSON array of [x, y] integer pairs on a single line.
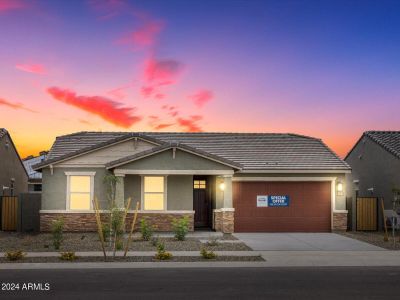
[[190, 125], [201, 97], [162, 71], [7, 5], [31, 68], [118, 93], [106, 109], [145, 36], [14, 105], [171, 110], [162, 126], [84, 122]]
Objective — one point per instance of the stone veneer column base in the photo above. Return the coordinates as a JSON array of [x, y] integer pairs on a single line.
[[86, 222], [224, 220], [340, 220]]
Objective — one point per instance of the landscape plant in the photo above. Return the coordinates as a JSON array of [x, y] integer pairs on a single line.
[[146, 230], [15, 255], [162, 254], [212, 241], [180, 228], [70, 256], [57, 228], [207, 254]]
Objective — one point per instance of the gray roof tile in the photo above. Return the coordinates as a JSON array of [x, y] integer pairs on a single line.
[[389, 140], [253, 151]]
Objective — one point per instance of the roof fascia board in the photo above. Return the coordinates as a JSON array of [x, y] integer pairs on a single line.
[[308, 171]]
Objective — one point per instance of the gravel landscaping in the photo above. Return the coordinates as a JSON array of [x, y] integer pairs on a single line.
[[90, 242], [133, 259], [374, 238]]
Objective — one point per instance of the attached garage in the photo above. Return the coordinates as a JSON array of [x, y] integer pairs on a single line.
[[309, 207]]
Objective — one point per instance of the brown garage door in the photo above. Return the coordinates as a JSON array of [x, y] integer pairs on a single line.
[[309, 207]]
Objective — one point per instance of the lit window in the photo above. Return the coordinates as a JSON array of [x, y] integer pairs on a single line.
[[199, 184], [79, 192], [153, 193]]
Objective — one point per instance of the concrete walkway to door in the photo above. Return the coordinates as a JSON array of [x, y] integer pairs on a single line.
[[303, 242]]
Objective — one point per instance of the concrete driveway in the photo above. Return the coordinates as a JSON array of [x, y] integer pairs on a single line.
[[303, 242]]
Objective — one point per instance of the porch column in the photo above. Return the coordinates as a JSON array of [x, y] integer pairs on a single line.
[[224, 216], [228, 192], [119, 191]]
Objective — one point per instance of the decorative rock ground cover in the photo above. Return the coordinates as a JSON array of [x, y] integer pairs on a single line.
[[134, 259], [374, 238], [90, 242]]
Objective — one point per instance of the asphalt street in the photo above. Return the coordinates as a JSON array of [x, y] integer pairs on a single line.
[[201, 283]]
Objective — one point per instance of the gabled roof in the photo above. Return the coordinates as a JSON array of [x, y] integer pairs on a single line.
[[67, 147], [31, 161], [388, 140], [252, 151], [3, 133], [162, 148]]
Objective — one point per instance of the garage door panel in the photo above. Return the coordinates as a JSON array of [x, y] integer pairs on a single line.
[[309, 207]]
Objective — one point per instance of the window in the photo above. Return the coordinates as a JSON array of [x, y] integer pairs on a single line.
[[79, 190], [199, 184], [154, 195]]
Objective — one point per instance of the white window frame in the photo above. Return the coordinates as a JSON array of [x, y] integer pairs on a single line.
[[68, 201], [142, 192]]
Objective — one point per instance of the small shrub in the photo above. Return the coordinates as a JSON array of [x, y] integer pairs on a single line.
[[70, 256], [57, 232], [212, 241], [146, 230], [15, 255], [155, 240], [106, 231], [119, 244], [180, 227], [207, 254], [161, 253]]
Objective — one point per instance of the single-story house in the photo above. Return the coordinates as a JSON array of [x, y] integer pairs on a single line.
[[242, 182], [375, 163], [35, 178], [13, 176]]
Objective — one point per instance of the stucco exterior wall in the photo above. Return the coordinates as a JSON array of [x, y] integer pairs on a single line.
[[180, 192], [11, 167], [132, 187], [182, 161], [375, 168], [54, 186]]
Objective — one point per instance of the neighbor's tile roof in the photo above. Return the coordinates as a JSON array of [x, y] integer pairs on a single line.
[[253, 151], [389, 140], [3, 132], [29, 162]]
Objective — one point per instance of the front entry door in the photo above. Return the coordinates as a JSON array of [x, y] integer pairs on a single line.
[[201, 203]]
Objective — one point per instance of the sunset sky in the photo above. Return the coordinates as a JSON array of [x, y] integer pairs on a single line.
[[329, 69]]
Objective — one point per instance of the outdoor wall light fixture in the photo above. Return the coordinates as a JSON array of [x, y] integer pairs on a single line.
[[222, 186], [339, 189]]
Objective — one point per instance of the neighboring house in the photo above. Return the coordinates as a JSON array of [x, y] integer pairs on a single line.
[[375, 163], [13, 176], [227, 181], [35, 178]]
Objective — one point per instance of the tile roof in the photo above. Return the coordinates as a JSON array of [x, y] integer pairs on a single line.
[[253, 151], [389, 140], [167, 147], [29, 162], [3, 132]]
